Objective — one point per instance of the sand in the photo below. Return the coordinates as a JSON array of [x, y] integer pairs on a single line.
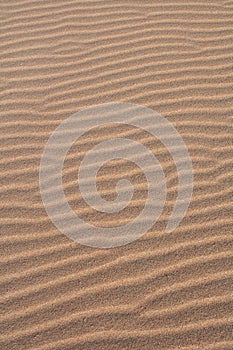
[[166, 290]]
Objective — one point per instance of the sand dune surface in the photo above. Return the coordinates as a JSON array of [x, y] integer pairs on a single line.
[[166, 290]]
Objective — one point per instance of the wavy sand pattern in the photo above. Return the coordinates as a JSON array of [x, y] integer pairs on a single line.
[[166, 290]]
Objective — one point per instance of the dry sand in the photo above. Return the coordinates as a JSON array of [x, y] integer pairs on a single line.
[[166, 290]]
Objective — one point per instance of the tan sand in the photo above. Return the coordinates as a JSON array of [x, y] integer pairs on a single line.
[[166, 290]]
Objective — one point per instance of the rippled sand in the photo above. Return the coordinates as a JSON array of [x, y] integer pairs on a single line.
[[166, 290]]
